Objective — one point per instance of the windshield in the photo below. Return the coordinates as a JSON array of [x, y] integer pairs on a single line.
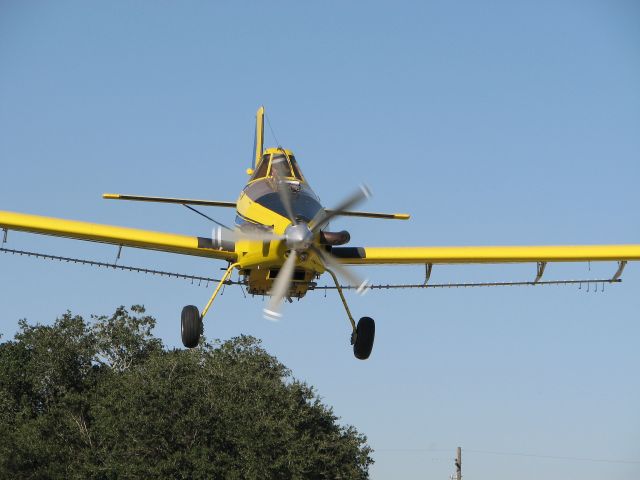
[[280, 166], [261, 171], [284, 165], [296, 168]]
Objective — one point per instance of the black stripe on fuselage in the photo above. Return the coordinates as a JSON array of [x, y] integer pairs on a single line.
[[204, 242], [349, 252]]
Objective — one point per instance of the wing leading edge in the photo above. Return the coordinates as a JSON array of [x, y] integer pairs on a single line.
[[127, 237], [485, 254]]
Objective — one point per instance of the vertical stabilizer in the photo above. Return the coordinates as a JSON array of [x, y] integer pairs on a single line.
[[258, 139]]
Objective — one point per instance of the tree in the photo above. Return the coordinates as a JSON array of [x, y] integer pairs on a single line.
[[108, 400]]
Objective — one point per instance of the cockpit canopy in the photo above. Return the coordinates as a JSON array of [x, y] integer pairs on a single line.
[[278, 161]]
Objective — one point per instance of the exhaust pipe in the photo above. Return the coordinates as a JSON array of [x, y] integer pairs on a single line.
[[335, 238]]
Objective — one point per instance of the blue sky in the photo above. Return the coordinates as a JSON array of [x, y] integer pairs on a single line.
[[501, 123]]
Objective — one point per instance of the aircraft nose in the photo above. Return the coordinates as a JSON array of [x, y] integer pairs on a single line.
[[299, 236]]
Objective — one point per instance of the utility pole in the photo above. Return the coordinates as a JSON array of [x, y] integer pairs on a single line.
[[459, 464]]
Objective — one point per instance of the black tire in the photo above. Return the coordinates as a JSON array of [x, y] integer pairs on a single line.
[[191, 326], [365, 334]]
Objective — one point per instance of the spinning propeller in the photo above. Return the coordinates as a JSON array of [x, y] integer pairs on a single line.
[[301, 238]]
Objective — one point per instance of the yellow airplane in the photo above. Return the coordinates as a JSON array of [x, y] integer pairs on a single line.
[[280, 244]]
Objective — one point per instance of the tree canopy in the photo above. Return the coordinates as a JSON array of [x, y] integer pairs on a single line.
[[105, 399]]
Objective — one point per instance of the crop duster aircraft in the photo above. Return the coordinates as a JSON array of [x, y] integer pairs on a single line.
[[281, 243]]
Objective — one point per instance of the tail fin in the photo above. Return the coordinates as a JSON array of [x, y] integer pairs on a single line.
[[258, 139]]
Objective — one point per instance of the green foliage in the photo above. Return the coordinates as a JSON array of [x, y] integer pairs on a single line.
[[123, 340], [106, 400]]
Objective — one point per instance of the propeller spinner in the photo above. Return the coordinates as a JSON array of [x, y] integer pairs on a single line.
[[302, 237]]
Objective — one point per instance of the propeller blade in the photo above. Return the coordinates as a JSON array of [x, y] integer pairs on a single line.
[[331, 262], [280, 288], [257, 236], [284, 191], [223, 238], [323, 217]]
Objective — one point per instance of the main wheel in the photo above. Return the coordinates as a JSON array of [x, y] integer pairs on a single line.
[[365, 334], [191, 326]]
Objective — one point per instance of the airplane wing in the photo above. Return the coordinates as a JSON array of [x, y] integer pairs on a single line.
[[485, 254], [182, 201], [127, 237], [383, 216]]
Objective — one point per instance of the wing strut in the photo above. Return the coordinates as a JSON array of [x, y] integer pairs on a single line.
[[540, 271], [427, 273], [618, 273]]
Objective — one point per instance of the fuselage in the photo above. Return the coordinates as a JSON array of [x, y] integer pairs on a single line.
[[260, 208]]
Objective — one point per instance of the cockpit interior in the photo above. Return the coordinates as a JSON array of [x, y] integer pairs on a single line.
[[280, 162]]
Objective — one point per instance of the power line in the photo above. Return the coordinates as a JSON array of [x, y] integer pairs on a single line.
[[515, 454], [553, 457]]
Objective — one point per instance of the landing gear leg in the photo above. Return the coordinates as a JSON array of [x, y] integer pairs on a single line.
[[192, 322], [363, 334]]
